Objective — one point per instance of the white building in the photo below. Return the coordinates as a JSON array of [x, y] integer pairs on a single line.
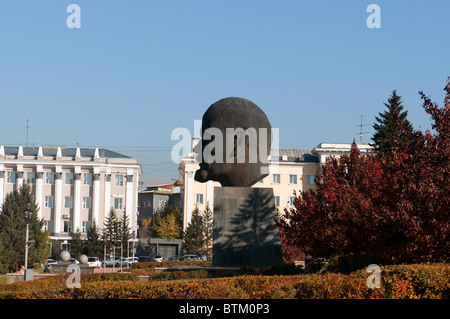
[[73, 187]]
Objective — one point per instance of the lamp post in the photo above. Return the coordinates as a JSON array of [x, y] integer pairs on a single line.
[[28, 214]]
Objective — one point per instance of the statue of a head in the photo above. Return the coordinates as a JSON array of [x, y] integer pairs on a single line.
[[235, 144]]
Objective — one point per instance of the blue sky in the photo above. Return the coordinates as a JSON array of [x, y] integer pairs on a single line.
[[136, 70]]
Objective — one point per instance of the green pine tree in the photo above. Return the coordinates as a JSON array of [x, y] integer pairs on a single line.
[[13, 227], [124, 232], [392, 127], [111, 232], [193, 237], [76, 245], [207, 230], [93, 245]]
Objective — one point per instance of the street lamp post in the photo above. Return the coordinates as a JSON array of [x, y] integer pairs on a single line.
[[28, 274]]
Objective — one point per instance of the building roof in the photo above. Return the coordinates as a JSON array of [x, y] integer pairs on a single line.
[[293, 155], [65, 152]]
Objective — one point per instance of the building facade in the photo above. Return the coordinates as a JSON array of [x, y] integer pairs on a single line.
[[289, 170], [72, 187]]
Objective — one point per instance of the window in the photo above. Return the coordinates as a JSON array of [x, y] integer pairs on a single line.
[[291, 201], [11, 177], [277, 200], [118, 180], [292, 179], [67, 226], [199, 198], [309, 179], [48, 202], [68, 202], [50, 178], [87, 202], [69, 178], [85, 226], [31, 176], [48, 225], [276, 178], [87, 179], [117, 203]]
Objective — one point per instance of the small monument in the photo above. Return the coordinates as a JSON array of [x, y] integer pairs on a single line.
[[61, 266], [236, 141]]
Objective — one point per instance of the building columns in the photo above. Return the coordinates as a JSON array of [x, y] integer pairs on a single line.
[[96, 197], [39, 181], [58, 200], [77, 200], [189, 199]]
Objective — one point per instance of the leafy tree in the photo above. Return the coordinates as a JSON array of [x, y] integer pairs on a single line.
[[167, 223], [392, 127], [194, 235], [93, 245], [13, 228], [394, 207]]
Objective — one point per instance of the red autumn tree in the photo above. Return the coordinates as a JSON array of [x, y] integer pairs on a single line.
[[394, 206]]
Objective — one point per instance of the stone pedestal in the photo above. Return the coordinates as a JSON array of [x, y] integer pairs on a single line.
[[61, 268], [245, 232]]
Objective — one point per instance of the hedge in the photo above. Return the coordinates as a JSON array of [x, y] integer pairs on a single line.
[[402, 281]]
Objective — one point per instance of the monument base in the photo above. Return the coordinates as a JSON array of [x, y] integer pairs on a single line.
[[61, 268], [244, 231]]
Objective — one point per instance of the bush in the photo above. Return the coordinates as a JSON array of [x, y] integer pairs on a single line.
[[399, 282]]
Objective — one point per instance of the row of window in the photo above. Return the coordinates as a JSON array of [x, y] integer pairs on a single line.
[[199, 200], [86, 203], [30, 178], [67, 226], [292, 179]]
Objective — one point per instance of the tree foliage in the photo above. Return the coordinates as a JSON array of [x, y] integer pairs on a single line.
[[167, 223], [197, 238], [13, 228], [395, 206], [392, 127]]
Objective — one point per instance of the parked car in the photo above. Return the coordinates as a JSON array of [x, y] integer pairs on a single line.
[[73, 260], [117, 262], [173, 258], [94, 262], [157, 258], [144, 259], [191, 257], [51, 261], [132, 259]]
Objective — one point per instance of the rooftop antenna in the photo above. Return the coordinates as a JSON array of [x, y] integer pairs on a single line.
[[28, 126], [361, 128]]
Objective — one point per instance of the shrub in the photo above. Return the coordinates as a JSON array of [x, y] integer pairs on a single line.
[[401, 281]]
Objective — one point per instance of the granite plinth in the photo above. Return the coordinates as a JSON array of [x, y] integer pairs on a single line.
[[61, 268], [244, 231]]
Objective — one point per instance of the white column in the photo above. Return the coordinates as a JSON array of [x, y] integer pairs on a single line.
[[39, 180], [189, 199], [209, 192], [77, 200], [107, 192], [2, 183], [129, 200], [19, 176], [58, 200], [96, 196]]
